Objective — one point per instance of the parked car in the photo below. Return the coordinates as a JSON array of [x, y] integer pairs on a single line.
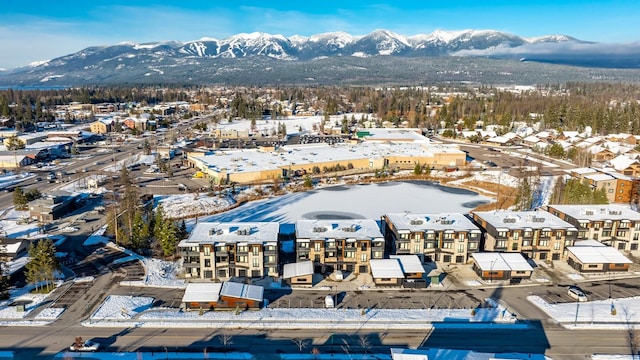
[[84, 345], [576, 293]]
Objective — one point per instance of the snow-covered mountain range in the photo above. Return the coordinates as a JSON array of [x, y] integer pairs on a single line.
[[208, 59]]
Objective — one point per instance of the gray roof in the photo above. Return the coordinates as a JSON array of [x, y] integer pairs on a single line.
[[297, 269], [242, 291]]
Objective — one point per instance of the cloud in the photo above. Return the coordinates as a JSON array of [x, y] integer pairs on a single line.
[[574, 48]]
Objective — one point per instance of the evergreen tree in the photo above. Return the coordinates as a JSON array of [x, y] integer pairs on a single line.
[[4, 279], [417, 170], [19, 199], [43, 264], [168, 237]]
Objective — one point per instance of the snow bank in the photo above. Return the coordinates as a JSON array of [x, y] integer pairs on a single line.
[[50, 314], [116, 307], [190, 205]]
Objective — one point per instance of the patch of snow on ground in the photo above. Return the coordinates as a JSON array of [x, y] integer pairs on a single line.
[[189, 205], [593, 313], [496, 177], [574, 276], [97, 237], [116, 307], [50, 314], [8, 311], [159, 273]]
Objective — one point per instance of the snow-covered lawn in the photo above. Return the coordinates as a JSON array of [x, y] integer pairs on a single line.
[[119, 307], [8, 308], [50, 314], [593, 314], [159, 273]]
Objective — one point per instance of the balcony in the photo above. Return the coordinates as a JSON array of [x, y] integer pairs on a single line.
[[190, 253]]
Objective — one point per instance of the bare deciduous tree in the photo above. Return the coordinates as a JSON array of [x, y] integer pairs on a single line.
[[300, 343]]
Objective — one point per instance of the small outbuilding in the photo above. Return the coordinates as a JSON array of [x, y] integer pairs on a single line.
[[594, 256], [298, 273], [386, 272], [201, 296], [240, 296], [501, 266]]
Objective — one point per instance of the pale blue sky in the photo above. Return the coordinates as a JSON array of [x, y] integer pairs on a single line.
[[32, 30]]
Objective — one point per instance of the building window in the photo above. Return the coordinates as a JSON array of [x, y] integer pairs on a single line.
[[461, 237], [404, 236], [527, 234], [446, 258], [447, 245], [516, 235], [501, 244], [526, 242], [606, 233], [502, 233], [207, 262], [303, 245], [256, 250], [473, 245], [514, 246], [350, 254], [416, 249], [207, 250], [460, 248], [403, 246], [377, 255], [558, 234], [243, 249], [556, 245], [621, 233], [316, 246], [622, 246], [429, 245], [363, 257], [241, 258], [543, 242]]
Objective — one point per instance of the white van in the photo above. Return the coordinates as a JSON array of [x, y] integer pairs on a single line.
[[328, 302], [576, 293]]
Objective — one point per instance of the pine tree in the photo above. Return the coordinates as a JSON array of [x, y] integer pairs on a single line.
[[4, 280], [43, 264], [19, 199]]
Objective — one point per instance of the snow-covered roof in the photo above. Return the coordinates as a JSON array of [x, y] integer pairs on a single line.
[[622, 162], [532, 139], [591, 253], [584, 170], [599, 177], [233, 232], [357, 229], [386, 134], [409, 263], [386, 269], [408, 354], [297, 269], [598, 212], [523, 220], [409, 222], [242, 291], [494, 261], [253, 160], [202, 292], [498, 140]]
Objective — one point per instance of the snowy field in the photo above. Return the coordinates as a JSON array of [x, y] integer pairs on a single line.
[[368, 201], [191, 205]]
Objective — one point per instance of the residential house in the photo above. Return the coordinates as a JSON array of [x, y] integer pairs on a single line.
[[623, 138], [538, 235], [346, 245], [445, 237], [495, 266], [594, 256], [626, 165], [13, 248], [613, 225], [235, 249]]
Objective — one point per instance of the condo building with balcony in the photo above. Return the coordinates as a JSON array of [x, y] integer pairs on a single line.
[[235, 249], [537, 234], [445, 237], [346, 245], [613, 225]]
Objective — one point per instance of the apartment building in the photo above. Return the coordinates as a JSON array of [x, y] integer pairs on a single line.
[[339, 244], [446, 238], [536, 234], [613, 225], [234, 249]]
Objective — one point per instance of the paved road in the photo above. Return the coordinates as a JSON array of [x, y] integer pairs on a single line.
[[557, 343]]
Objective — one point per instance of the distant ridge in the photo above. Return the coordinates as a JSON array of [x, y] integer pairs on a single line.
[[229, 60]]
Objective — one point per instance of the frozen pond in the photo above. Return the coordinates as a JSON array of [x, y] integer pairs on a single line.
[[368, 201]]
